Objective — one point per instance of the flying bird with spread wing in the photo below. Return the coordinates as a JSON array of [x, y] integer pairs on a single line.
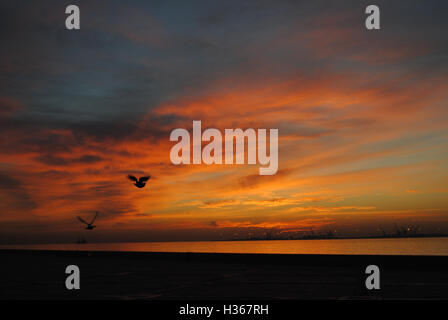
[[141, 182], [90, 225]]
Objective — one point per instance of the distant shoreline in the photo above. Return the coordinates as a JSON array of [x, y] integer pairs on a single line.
[[323, 237], [244, 239]]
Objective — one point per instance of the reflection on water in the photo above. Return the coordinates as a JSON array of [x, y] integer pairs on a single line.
[[402, 246]]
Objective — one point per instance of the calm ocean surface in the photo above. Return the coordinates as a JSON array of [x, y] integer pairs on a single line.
[[403, 246]]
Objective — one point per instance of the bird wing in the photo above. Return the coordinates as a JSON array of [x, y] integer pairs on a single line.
[[143, 179], [96, 215], [82, 220], [132, 178]]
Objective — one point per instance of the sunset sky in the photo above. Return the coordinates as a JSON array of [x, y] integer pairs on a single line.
[[362, 117]]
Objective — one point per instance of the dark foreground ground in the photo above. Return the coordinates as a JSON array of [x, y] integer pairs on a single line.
[[163, 276]]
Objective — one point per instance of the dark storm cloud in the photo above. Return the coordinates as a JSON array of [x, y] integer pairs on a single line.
[[104, 70], [8, 182], [8, 106], [128, 59], [13, 194], [59, 161], [52, 138]]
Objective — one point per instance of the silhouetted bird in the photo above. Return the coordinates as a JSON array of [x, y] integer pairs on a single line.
[[141, 182], [90, 225]]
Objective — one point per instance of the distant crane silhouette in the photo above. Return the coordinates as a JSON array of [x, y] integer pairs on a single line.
[[90, 225], [383, 233], [407, 231], [139, 183], [414, 229]]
